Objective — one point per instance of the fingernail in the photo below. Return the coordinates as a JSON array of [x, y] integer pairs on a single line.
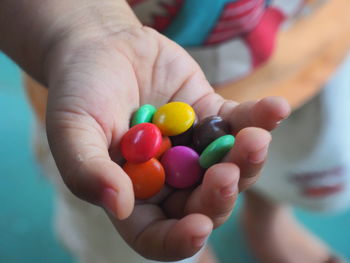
[[199, 241], [259, 156], [228, 191], [109, 200]]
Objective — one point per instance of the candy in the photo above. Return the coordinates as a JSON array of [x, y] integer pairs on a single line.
[[209, 130], [165, 145], [147, 178], [143, 114], [184, 138], [181, 165], [174, 118], [216, 150], [141, 143]]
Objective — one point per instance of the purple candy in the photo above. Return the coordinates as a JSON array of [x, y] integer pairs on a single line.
[[181, 165]]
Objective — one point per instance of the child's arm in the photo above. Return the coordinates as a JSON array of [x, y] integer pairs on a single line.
[[30, 30], [100, 64]]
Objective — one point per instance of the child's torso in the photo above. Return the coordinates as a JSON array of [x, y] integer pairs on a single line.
[[238, 35]]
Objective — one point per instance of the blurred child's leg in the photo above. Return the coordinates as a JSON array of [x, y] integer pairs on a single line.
[[308, 166], [274, 235]]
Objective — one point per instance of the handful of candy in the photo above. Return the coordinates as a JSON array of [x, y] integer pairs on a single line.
[[166, 145]]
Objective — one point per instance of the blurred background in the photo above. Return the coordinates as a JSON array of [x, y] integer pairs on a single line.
[[27, 198]]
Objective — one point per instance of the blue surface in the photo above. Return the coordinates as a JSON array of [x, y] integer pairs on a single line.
[[26, 233]]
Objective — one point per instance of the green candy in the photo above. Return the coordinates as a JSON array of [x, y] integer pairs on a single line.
[[143, 114], [216, 150]]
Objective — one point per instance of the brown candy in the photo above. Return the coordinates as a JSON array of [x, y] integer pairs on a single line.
[[209, 130], [183, 138]]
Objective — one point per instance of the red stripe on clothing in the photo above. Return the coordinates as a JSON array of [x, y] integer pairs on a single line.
[[226, 33], [237, 18], [261, 40], [242, 23], [236, 8]]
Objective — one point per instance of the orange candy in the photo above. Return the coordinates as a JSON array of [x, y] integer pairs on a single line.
[[148, 178], [165, 145]]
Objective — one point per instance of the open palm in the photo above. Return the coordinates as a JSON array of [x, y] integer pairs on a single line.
[[92, 95]]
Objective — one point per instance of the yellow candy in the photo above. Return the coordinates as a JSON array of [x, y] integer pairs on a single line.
[[174, 118]]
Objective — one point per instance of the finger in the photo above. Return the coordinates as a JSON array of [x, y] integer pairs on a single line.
[[166, 239], [217, 194], [175, 203], [266, 113], [81, 154], [249, 153]]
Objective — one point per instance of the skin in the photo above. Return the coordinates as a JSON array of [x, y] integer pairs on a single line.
[[288, 240], [100, 65]]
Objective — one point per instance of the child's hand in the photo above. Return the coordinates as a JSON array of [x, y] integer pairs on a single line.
[[95, 87], [100, 66]]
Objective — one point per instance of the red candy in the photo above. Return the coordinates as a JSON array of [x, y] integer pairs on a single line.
[[147, 178], [141, 143]]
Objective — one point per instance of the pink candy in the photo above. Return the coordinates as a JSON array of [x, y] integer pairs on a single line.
[[181, 165]]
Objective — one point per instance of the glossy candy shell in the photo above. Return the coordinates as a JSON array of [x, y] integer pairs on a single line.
[[185, 138], [166, 145], [143, 114], [141, 143], [181, 165], [174, 118], [208, 130], [147, 178], [215, 151]]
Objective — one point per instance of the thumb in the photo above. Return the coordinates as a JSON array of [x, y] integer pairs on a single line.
[[80, 150]]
